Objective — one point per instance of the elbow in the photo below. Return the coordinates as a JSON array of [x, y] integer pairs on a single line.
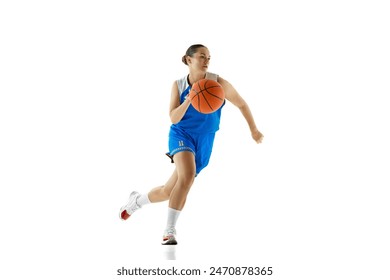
[[174, 119], [242, 106]]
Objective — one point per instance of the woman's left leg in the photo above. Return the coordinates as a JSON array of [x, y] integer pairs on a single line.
[[186, 170]]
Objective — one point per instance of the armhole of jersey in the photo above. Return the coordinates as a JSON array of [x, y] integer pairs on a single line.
[[182, 85]]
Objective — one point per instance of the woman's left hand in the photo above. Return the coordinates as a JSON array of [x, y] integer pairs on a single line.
[[257, 136]]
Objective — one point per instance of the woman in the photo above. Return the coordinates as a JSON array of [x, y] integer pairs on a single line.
[[191, 139]]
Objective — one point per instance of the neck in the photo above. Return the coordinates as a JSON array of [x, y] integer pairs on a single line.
[[194, 77]]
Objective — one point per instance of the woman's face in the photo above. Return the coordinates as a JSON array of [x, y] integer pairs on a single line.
[[200, 60]]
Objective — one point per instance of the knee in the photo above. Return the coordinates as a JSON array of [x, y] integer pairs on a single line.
[[186, 180]]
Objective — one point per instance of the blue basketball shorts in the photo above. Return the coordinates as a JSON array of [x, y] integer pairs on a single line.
[[201, 145]]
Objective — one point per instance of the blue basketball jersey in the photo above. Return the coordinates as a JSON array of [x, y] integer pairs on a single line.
[[194, 121]]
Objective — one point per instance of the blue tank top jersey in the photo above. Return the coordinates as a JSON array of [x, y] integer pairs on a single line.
[[194, 121]]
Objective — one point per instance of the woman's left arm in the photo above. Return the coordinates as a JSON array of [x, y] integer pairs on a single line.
[[234, 97]]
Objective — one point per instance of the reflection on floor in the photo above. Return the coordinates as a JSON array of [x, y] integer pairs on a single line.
[[169, 252]]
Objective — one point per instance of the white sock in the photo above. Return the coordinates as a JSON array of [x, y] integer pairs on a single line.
[[143, 200], [173, 214]]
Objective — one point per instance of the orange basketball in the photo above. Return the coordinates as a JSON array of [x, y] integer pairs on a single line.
[[207, 96]]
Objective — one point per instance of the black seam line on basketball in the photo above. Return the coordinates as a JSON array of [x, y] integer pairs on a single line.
[[206, 89], [199, 107], [213, 95], [196, 93], [205, 99]]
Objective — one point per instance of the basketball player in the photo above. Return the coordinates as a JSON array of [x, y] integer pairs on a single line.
[[191, 140]]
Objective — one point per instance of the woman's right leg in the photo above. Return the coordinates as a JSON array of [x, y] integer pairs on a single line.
[[158, 194]]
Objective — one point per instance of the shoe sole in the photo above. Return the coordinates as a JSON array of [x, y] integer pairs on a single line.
[[123, 215], [169, 242]]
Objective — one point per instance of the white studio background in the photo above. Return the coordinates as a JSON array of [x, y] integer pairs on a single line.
[[85, 88]]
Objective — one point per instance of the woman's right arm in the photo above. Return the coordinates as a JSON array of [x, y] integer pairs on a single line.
[[177, 110]]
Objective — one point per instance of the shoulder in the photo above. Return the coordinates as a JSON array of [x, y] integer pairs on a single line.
[[224, 83], [211, 76], [230, 91]]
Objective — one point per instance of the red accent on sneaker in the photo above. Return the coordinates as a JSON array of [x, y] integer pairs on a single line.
[[125, 215]]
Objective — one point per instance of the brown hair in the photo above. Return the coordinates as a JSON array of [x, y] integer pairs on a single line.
[[190, 52]]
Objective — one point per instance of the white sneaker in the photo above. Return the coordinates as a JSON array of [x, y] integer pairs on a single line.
[[169, 237], [130, 207]]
